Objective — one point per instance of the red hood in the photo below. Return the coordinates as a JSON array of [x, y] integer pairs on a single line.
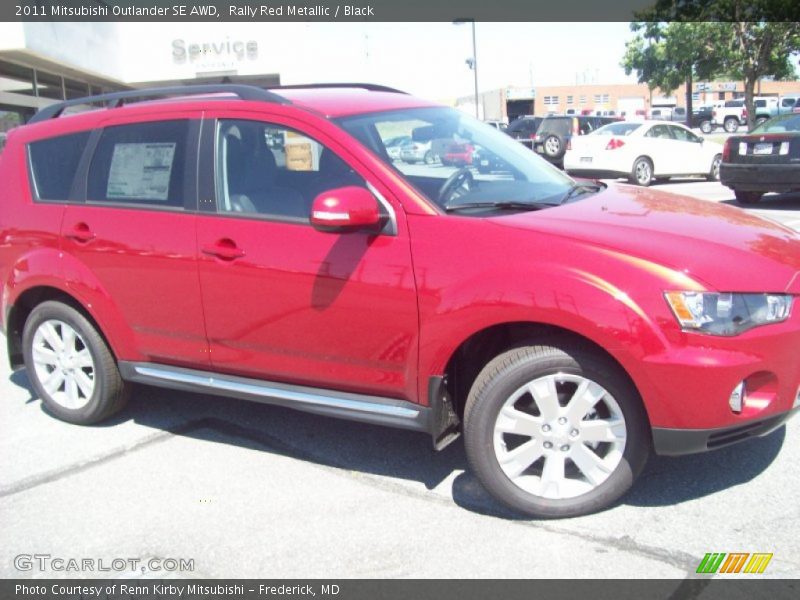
[[724, 247]]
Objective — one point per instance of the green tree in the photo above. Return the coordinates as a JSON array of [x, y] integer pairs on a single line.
[[756, 38], [665, 55]]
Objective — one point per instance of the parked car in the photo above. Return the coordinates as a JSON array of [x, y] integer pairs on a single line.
[[458, 154], [765, 160], [501, 125], [765, 108], [789, 103], [416, 152], [554, 134], [643, 152], [564, 328], [703, 118], [668, 113], [395, 145], [524, 129], [730, 116]]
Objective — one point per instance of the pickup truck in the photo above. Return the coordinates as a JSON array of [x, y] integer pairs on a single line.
[[731, 115]]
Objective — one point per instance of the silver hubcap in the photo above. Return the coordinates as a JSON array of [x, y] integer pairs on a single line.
[[552, 146], [643, 174], [63, 364], [559, 436], [715, 168]]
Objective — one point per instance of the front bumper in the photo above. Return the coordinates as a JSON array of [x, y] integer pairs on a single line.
[[676, 442], [760, 178]]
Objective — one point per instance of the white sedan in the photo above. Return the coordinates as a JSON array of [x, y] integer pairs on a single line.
[[643, 152]]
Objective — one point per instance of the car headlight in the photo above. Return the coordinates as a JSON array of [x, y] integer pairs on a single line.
[[727, 314]]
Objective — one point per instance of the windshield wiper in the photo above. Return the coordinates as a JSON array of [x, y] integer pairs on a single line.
[[581, 187], [510, 205]]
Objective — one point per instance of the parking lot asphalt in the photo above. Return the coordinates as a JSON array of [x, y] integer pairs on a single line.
[[247, 490]]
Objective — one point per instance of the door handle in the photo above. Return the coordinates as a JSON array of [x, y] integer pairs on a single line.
[[225, 249], [81, 233]]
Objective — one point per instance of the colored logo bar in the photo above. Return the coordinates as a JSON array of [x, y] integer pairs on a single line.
[[734, 562]]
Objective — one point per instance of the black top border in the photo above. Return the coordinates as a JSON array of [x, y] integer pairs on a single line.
[[254, 11]]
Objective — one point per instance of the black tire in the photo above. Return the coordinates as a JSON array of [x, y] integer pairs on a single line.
[[429, 159], [511, 370], [743, 197], [553, 147], [641, 167], [713, 173], [731, 124], [706, 126], [110, 392]]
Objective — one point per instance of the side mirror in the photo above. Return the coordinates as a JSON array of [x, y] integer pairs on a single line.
[[346, 209]]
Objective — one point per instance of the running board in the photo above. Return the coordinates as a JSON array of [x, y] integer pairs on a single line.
[[344, 405]]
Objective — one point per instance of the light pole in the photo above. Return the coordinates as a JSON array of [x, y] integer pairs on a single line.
[[472, 62]]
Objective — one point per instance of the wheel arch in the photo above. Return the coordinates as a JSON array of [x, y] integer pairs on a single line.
[[474, 352], [24, 305]]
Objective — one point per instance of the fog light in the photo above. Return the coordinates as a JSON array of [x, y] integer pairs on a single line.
[[737, 398]]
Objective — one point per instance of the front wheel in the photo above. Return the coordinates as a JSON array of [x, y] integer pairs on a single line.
[[706, 126], [555, 431], [70, 365]]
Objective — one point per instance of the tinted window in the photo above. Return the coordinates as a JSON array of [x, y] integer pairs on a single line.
[[53, 164], [273, 171], [559, 125], [787, 102], [781, 124], [144, 163]]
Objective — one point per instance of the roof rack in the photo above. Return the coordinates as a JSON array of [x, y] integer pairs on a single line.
[[117, 99], [364, 86]]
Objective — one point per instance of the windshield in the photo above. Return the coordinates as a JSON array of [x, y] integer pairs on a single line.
[[781, 124], [617, 129], [454, 159]]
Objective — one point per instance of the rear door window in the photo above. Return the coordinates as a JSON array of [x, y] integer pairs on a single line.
[[53, 164], [142, 164]]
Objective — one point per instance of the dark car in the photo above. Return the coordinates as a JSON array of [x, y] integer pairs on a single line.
[[554, 133], [524, 129], [703, 118], [765, 160]]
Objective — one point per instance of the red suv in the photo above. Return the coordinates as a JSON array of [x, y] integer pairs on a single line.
[[263, 245]]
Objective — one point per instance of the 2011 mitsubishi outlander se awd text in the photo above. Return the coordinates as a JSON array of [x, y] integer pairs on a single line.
[[261, 244]]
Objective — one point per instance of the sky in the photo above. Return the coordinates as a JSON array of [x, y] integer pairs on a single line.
[[426, 59]]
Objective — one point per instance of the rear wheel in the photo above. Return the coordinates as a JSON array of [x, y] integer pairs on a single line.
[[429, 158], [713, 174], [70, 365], [731, 124], [747, 197], [642, 172], [555, 431]]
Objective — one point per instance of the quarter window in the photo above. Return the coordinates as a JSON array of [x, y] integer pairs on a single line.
[[142, 164], [54, 162], [273, 171]]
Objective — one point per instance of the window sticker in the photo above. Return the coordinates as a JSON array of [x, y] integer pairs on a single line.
[[141, 171], [302, 153]]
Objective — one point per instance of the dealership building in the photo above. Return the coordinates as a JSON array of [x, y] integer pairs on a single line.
[[41, 63]]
